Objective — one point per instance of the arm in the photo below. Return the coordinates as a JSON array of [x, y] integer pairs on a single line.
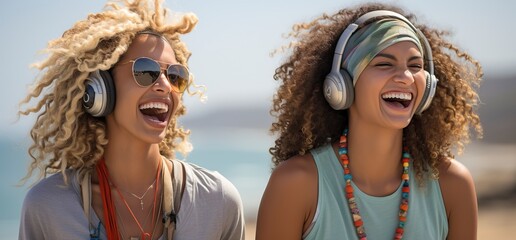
[[289, 201], [460, 200]]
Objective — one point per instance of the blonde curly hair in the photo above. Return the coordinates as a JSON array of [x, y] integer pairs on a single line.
[[64, 135], [304, 120]]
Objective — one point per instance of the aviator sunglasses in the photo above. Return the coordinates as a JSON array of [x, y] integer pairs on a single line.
[[146, 72]]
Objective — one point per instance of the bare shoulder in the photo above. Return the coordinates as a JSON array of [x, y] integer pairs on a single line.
[[454, 176], [289, 200], [293, 178], [459, 195], [298, 168]]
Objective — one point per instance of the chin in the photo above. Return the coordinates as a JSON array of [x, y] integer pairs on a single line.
[[153, 139], [404, 124], [398, 123]]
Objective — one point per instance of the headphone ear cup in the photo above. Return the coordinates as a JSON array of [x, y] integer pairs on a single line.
[[349, 89], [338, 90], [99, 95], [428, 95]]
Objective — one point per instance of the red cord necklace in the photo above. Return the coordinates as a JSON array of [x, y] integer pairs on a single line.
[[109, 207], [107, 202]]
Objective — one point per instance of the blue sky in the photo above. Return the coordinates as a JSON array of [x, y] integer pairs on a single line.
[[233, 39]]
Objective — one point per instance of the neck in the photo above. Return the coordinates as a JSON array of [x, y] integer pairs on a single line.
[[132, 165], [375, 158]]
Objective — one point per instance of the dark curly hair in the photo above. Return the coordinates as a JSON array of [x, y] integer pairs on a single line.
[[304, 120]]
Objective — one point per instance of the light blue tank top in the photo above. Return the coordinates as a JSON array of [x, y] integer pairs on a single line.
[[426, 217]]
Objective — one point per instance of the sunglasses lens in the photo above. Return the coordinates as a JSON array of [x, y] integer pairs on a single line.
[[146, 71], [178, 77]]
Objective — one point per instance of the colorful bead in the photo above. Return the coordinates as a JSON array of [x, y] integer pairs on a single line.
[[349, 189], [357, 219], [404, 207], [343, 151], [358, 223], [347, 176], [402, 222]]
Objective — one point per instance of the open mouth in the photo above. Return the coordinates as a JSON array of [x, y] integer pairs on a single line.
[[398, 98], [156, 111]]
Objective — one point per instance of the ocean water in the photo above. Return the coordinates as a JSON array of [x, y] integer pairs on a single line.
[[11, 197], [245, 163]]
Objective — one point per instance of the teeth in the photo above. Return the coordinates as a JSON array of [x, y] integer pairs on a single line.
[[402, 96], [161, 107]]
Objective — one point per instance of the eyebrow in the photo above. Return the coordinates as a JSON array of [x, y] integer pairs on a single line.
[[390, 56]]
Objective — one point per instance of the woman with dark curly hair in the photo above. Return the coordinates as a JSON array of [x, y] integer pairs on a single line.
[[370, 106], [108, 100]]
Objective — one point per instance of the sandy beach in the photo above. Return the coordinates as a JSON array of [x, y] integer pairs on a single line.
[[494, 170]]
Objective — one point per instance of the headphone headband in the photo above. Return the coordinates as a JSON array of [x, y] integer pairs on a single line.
[[344, 37]]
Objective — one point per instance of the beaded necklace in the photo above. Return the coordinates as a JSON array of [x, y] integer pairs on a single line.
[[357, 219]]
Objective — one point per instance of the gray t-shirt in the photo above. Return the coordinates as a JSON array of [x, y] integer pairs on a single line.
[[211, 208]]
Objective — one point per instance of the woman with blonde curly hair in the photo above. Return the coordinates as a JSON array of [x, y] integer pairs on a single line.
[[108, 101], [370, 107]]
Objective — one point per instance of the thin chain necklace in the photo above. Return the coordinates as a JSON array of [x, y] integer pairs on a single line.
[[145, 235], [143, 196], [357, 219], [145, 222], [122, 226]]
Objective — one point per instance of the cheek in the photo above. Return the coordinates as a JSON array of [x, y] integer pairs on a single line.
[[420, 82], [127, 94], [366, 94], [176, 101], [122, 91], [124, 83]]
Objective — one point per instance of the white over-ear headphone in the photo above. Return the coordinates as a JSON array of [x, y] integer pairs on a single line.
[[99, 95], [338, 84]]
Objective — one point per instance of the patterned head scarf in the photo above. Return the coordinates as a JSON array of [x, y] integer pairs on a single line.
[[370, 40]]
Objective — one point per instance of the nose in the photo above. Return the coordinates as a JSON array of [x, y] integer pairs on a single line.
[[162, 84], [405, 76]]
